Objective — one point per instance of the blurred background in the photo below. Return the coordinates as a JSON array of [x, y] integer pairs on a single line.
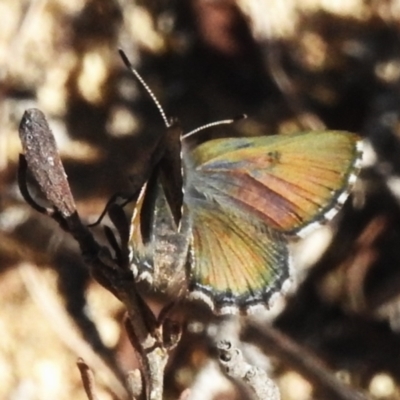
[[289, 65]]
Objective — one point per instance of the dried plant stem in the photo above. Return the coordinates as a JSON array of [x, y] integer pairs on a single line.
[[151, 352], [87, 379], [145, 331], [231, 359]]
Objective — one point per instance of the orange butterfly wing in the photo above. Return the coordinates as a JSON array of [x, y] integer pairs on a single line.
[[244, 195], [289, 181]]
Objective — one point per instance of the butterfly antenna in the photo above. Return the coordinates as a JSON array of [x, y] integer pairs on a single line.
[[146, 87], [212, 124]]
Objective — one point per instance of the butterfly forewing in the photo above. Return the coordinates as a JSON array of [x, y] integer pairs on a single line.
[[159, 239], [158, 250], [171, 172], [288, 181]]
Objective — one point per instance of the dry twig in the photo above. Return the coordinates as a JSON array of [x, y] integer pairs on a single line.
[[87, 379], [42, 159], [231, 359]]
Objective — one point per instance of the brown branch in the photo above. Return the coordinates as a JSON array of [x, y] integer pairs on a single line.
[[88, 381], [43, 161]]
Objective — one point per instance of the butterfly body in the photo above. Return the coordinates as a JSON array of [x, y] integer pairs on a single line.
[[242, 200]]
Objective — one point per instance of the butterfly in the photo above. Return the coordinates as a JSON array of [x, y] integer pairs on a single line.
[[222, 215]]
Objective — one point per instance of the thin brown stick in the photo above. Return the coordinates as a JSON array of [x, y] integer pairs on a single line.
[[43, 161], [88, 381]]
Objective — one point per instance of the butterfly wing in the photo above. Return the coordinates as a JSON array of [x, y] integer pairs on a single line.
[[291, 182], [170, 170], [158, 251], [246, 195], [141, 230], [236, 262]]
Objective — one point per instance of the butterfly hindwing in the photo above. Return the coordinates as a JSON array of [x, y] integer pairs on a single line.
[[236, 262]]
